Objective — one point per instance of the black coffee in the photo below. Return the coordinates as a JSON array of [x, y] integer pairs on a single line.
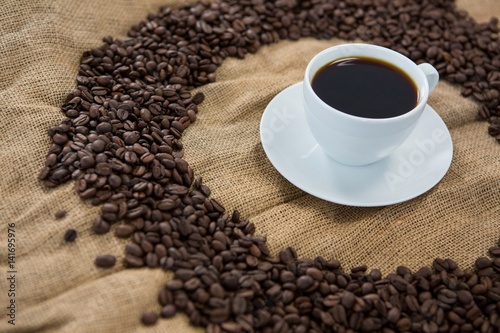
[[365, 87]]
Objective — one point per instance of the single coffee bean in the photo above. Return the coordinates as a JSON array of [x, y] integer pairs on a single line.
[[304, 282], [134, 249], [60, 214], [124, 231], [315, 273], [184, 274], [70, 235], [482, 263], [168, 311], [440, 265], [464, 296], [149, 318], [348, 299], [104, 128], [98, 146], [87, 162], [100, 226], [133, 261], [105, 261], [495, 251], [393, 315], [60, 174]]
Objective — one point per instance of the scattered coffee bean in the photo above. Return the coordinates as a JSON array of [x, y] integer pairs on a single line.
[[120, 142], [105, 261], [60, 214], [70, 235], [149, 318]]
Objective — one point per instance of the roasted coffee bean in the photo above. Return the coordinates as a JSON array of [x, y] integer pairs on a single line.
[[87, 162], [60, 214], [124, 231], [98, 146], [482, 263], [151, 260], [105, 261], [60, 174], [495, 251], [134, 249], [464, 296], [149, 318], [133, 261], [315, 273], [100, 226], [198, 98], [70, 235], [168, 311]]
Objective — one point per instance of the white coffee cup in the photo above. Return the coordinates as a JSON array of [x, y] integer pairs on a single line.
[[356, 140]]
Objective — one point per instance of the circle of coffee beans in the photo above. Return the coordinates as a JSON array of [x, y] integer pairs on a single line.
[[120, 143]]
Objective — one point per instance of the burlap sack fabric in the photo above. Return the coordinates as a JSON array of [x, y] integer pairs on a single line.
[[58, 288]]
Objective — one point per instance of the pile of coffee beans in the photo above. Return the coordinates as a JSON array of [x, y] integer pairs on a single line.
[[120, 143], [60, 214]]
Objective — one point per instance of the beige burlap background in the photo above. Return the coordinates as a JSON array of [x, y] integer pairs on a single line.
[[58, 289]]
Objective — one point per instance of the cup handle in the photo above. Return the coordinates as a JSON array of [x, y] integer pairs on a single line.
[[431, 74]]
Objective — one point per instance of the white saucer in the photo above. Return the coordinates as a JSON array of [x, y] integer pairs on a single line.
[[411, 170]]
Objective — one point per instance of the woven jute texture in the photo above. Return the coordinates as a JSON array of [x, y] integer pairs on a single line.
[[58, 288]]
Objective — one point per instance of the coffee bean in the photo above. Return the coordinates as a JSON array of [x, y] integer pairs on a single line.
[[287, 255], [496, 264], [100, 226], [315, 273], [149, 318], [104, 128], [447, 296], [486, 272], [133, 261], [87, 162], [494, 294], [339, 314], [60, 175], [168, 311], [177, 190], [70, 235], [151, 260], [124, 231], [60, 214], [393, 315], [184, 274], [440, 265], [432, 52], [134, 249], [98, 146], [482, 263], [304, 282], [404, 324], [105, 261], [103, 169], [464, 296], [238, 305]]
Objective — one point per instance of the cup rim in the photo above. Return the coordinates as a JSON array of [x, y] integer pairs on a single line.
[[423, 91]]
